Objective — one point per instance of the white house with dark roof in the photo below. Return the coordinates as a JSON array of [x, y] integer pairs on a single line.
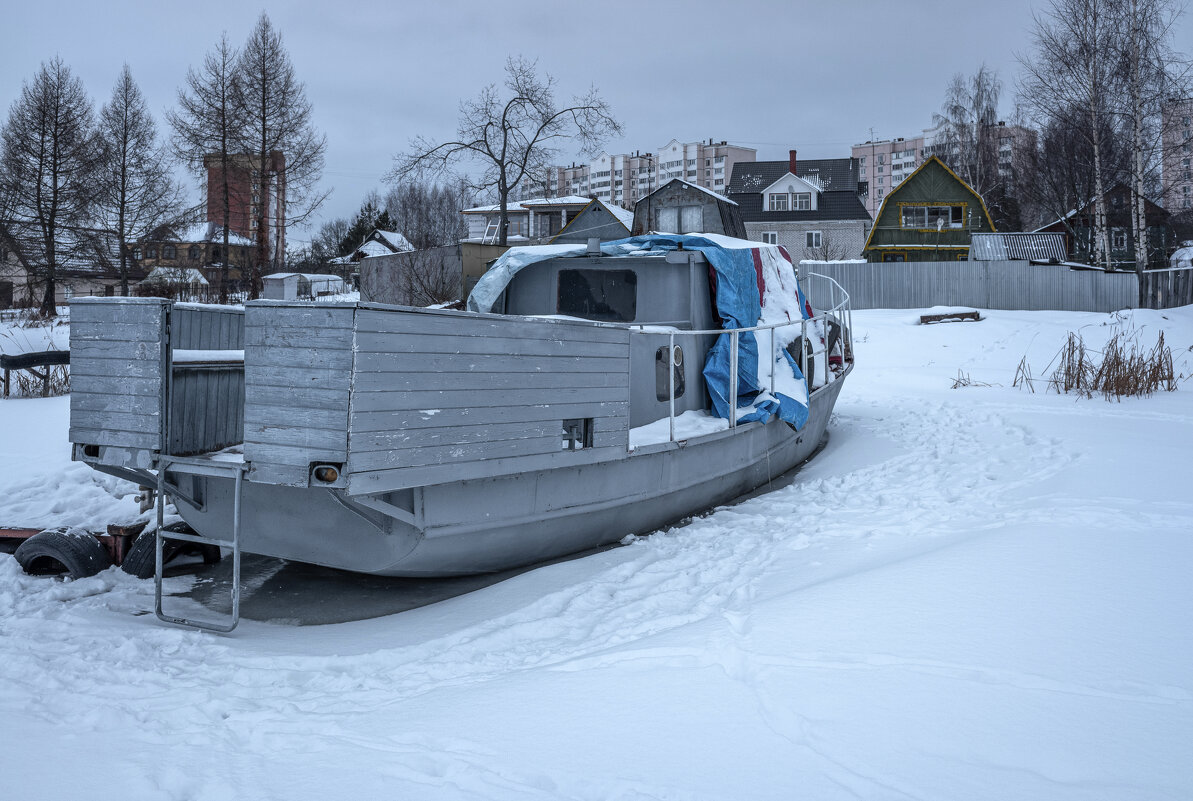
[[530, 221], [810, 207]]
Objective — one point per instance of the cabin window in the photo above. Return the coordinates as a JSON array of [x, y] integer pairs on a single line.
[[577, 434], [662, 383], [1119, 237], [778, 201], [606, 295], [193, 252], [770, 237], [894, 257], [137, 254], [151, 252]]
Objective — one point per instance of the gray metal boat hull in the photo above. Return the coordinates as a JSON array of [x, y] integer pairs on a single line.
[[497, 523]]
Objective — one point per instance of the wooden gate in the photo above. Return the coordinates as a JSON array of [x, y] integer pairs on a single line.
[[1166, 289]]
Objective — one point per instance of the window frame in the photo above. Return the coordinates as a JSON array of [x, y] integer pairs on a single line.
[[813, 239], [778, 201], [801, 201]]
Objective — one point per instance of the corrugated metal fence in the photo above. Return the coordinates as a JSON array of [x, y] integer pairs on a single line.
[[985, 285]]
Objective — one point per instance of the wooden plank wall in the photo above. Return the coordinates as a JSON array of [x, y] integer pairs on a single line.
[[117, 348], [441, 396], [206, 403], [298, 370]]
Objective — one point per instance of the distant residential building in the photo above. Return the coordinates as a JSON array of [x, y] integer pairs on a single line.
[[621, 179], [532, 221], [1176, 173], [252, 189], [882, 165], [377, 243], [929, 216], [810, 207], [88, 264], [597, 220], [198, 246], [1078, 229]]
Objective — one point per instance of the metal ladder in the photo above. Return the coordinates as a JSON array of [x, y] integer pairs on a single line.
[[198, 467], [491, 231]]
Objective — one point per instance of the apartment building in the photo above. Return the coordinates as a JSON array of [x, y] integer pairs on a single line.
[[883, 164], [621, 179], [1176, 172]]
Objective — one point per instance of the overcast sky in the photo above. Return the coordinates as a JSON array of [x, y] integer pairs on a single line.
[[815, 76]]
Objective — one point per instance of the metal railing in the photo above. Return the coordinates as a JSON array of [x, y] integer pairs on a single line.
[[838, 311]]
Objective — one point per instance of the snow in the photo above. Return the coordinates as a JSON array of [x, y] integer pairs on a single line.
[[175, 275], [1182, 257], [976, 593], [184, 356], [688, 425]]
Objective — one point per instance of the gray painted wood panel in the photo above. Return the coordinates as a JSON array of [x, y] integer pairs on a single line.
[[298, 367], [435, 391], [485, 363], [117, 383], [365, 382], [414, 418]]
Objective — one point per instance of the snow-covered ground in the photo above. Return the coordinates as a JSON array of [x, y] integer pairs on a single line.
[[973, 593]]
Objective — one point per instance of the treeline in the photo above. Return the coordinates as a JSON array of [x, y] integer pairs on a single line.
[[70, 175]]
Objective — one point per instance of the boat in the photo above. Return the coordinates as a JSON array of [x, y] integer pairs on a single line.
[[587, 393]]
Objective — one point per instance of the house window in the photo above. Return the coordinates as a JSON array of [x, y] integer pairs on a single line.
[[1119, 239], [770, 237], [863, 161], [137, 254], [812, 239], [151, 252], [192, 253], [932, 218], [169, 252], [778, 202], [801, 201]]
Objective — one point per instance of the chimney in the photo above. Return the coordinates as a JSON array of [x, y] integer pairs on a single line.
[[791, 162]]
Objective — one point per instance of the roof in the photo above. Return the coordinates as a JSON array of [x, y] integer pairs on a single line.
[[308, 276], [398, 242], [205, 232], [526, 205], [1026, 246], [623, 216], [175, 275], [721, 198], [832, 174], [830, 206]]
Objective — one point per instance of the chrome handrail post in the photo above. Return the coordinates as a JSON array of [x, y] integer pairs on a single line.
[[671, 383]]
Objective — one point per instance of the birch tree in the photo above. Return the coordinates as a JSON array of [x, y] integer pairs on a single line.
[[511, 133], [48, 158], [135, 192], [1074, 65], [1153, 71], [277, 124], [207, 126]]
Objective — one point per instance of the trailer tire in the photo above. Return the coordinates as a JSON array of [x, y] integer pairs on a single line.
[[141, 559], [71, 552]]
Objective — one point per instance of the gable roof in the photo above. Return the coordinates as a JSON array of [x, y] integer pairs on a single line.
[[908, 182], [811, 182], [692, 186], [830, 206], [596, 207], [833, 174]]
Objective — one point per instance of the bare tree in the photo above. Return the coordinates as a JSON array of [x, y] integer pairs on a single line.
[[1074, 67], [1154, 71], [287, 151], [207, 125], [428, 277], [326, 244], [428, 215], [966, 136], [511, 135], [47, 166], [135, 190]]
